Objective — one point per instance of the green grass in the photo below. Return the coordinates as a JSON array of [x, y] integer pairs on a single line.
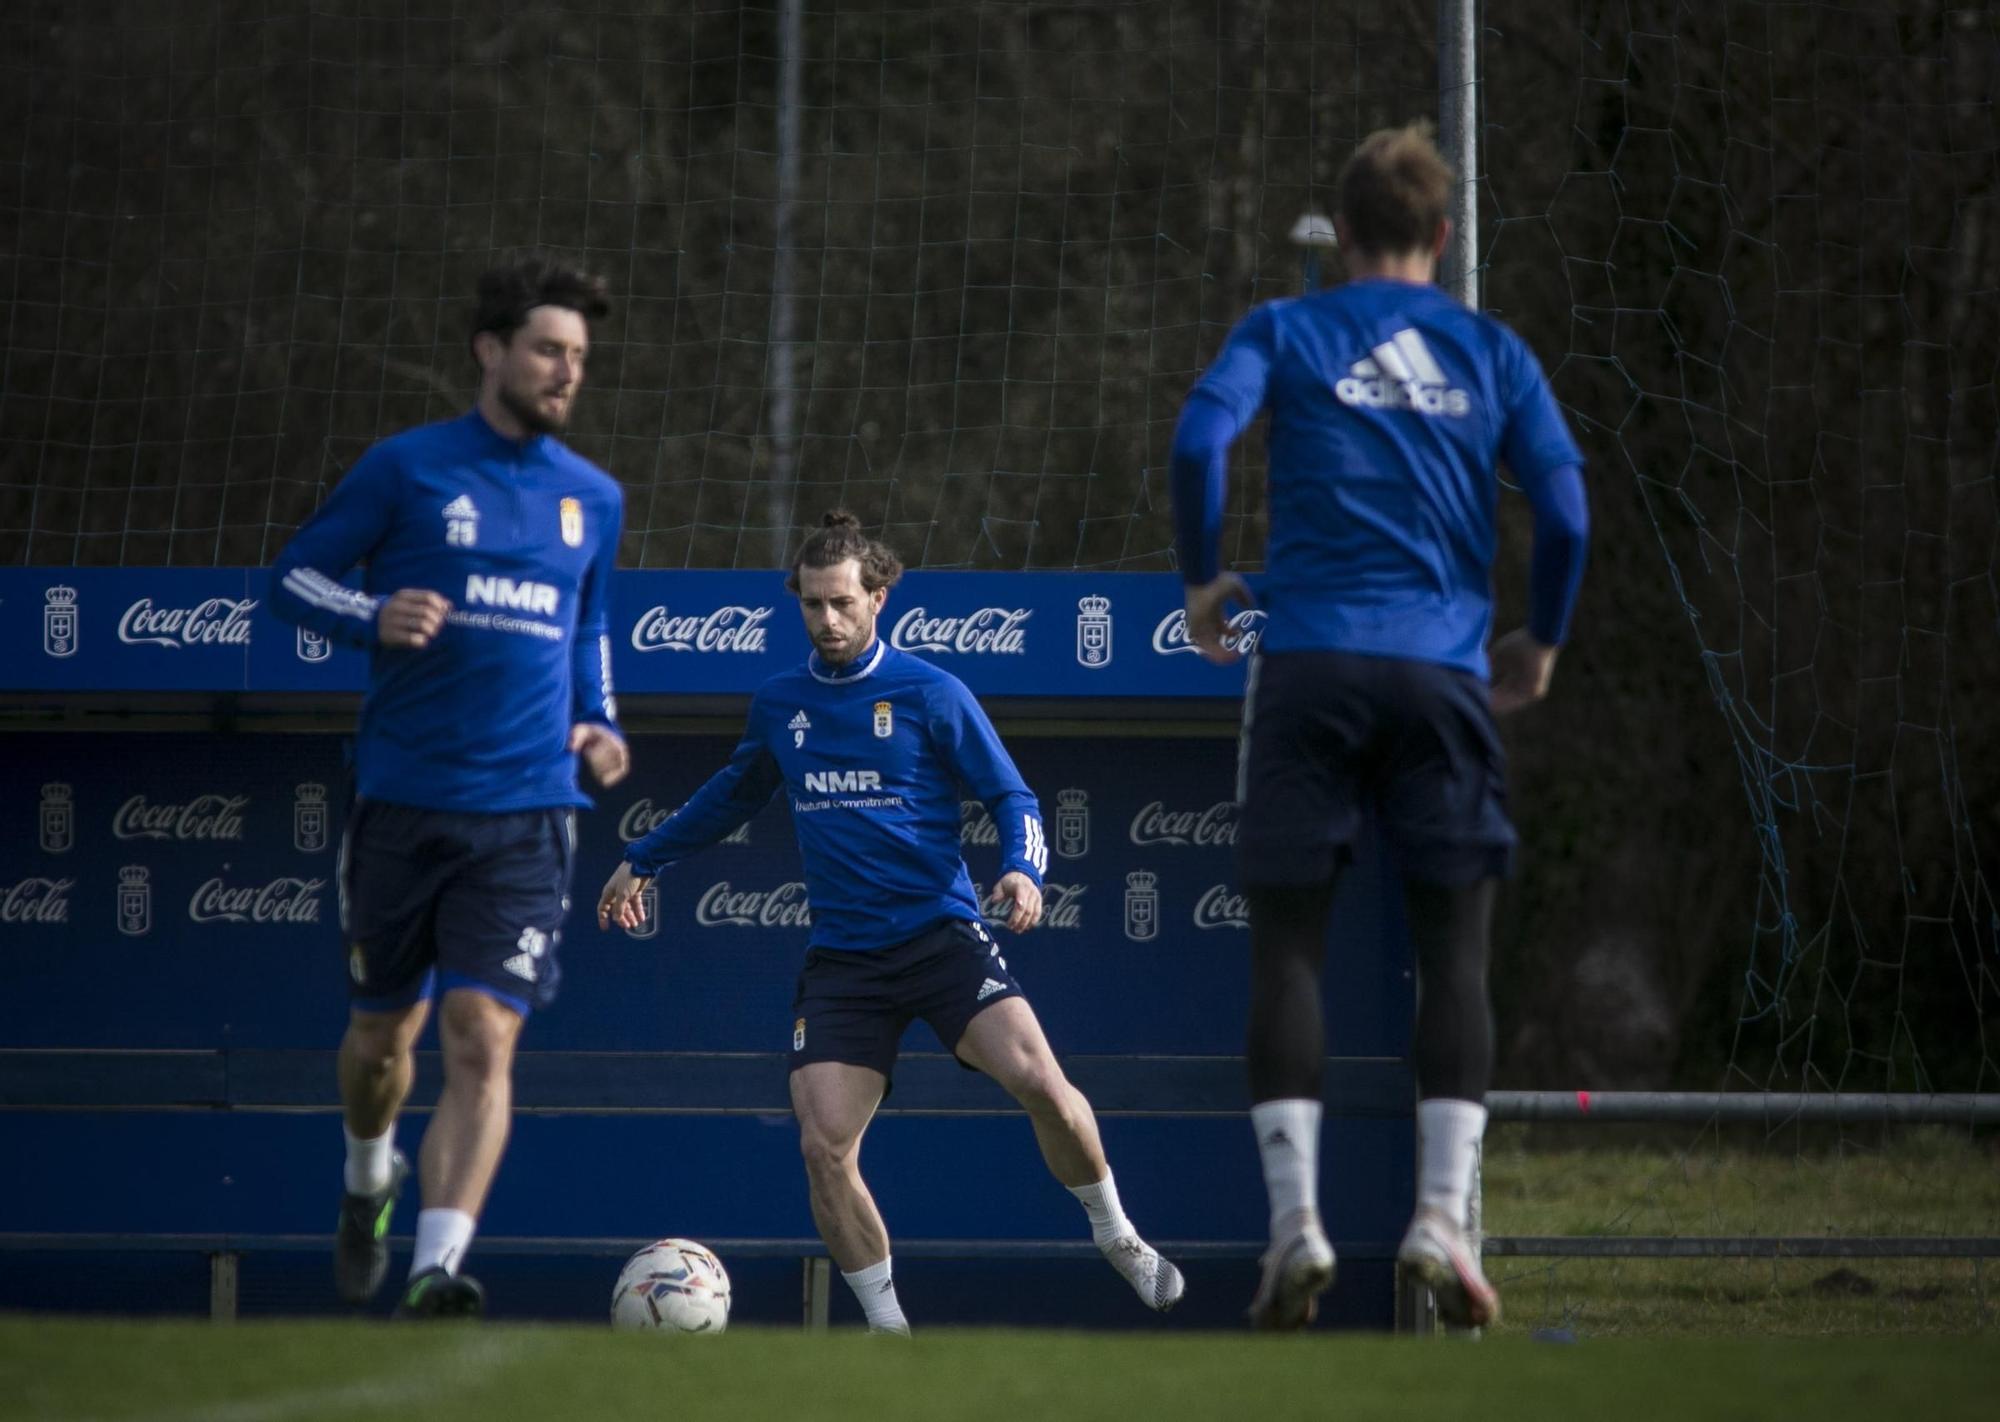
[[64, 1371], [1751, 1339], [1923, 1183]]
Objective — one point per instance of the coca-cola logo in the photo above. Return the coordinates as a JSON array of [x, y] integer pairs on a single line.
[[975, 824], [1156, 824], [1062, 905], [36, 901], [727, 629], [203, 817], [996, 630], [286, 900], [1241, 634], [782, 907], [219, 621], [1219, 908], [642, 817]]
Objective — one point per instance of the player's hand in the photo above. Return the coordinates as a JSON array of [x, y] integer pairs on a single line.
[[620, 902], [1208, 616], [410, 618], [1027, 911], [1522, 670], [603, 750]]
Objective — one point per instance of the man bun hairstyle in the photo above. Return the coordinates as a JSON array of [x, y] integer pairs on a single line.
[[1394, 191], [838, 538], [508, 292]]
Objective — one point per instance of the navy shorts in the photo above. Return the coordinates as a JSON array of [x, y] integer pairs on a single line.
[[432, 900], [852, 1006], [1332, 738]]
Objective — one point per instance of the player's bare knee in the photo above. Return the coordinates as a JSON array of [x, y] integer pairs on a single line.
[[378, 1048], [1041, 1089], [826, 1157], [477, 1046]]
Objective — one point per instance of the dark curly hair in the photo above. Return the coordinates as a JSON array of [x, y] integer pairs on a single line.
[[838, 538], [508, 292]]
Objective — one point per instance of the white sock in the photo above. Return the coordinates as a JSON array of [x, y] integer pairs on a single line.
[[443, 1236], [875, 1286], [1288, 1140], [1448, 1133], [1107, 1216], [368, 1161]]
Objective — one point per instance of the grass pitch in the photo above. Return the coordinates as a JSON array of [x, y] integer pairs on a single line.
[[70, 1370], [1929, 1182]]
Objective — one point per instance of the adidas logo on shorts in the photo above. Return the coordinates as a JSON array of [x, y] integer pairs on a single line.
[[521, 965], [989, 987]]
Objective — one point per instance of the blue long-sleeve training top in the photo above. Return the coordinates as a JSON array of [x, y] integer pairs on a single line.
[[521, 536], [1391, 406], [872, 756]]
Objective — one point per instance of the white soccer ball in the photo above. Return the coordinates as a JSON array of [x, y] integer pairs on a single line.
[[673, 1286]]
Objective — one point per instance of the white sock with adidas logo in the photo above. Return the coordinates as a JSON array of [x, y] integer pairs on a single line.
[[1107, 1216], [875, 1287], [1288, 1140]]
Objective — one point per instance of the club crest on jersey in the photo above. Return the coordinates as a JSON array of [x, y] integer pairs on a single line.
[[572, 522], [885, 721], [461, 522]]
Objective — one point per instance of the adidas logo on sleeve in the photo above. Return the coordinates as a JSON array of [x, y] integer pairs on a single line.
[[1400, 374]]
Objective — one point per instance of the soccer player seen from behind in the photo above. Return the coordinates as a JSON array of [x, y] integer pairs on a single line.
[[489, 548], [872, 746], [1372, 692]]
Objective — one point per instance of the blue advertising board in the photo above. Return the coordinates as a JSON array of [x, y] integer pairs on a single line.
[[182, 893], [680, 632]]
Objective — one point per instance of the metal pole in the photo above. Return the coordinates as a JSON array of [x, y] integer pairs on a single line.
[[1458, 139], [1766, 1108], [780, 368], [818, 1290], [223, 1268]]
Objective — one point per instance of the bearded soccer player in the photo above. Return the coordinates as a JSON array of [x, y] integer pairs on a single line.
[[871, 745], [489, 548], [1373, 691]]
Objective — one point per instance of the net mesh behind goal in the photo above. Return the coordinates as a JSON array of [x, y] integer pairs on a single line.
[[1775, 236], [953, 265]]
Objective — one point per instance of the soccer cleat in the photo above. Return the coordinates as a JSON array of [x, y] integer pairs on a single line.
[[361, 1237], [436, 1293], [1297, 1269], [1435, 1253], [1157, 1282]]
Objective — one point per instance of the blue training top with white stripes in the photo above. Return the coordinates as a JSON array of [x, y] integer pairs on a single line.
[[873, 756], [1391, 405], [521, 536]]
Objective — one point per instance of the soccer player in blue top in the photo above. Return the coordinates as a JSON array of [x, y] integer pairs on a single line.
[[489, 549], [1372, 692], [871, 746]]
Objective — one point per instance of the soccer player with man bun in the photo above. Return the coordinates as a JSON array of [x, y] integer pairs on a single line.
[[1373, 690], [485, 610], [872, 745]]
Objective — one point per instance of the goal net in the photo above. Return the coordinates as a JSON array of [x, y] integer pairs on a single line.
[[952, 265]]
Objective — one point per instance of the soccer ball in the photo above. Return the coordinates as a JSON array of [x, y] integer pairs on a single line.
[[674, 1286]]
